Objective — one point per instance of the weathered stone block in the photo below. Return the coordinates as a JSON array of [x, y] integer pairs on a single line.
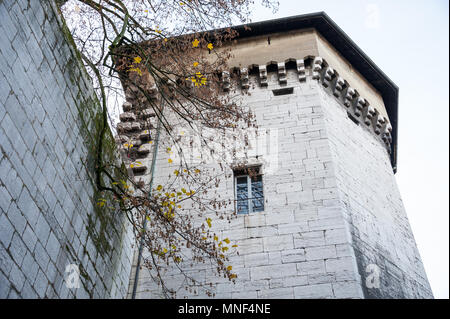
[[293, 255], [280, 242], [349, 289], [309, 239], [320, 291], [320, 253], [311, 267], [275, 271], [276, 293]]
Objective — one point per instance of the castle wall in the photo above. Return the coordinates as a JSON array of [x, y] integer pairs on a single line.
[[258, 50], [350, 74], [300, 245], [381, 234], [332, 213], [299, 44], [49, 124]]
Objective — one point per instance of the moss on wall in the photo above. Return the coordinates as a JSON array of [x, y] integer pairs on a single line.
[[106, 217]]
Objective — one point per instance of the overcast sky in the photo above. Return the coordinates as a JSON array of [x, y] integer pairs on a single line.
[[408, 40]]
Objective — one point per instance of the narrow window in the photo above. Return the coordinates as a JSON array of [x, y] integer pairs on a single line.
[[249, 191], [283, 91]]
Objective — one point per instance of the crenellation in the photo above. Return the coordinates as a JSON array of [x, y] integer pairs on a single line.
[[226, 81], [301, 70], [350, 94], [243, 72], [282, 76], [317, 68], [262, 75], [328, 77], [379, 122], [127, 117], [369, 113], [360, 104], [339, 87]]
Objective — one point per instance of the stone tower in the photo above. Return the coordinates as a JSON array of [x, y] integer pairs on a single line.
[[328, 221]]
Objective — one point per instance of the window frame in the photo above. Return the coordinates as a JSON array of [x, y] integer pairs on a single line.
[[249, 194]]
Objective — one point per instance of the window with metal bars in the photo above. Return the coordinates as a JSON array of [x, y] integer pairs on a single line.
[[249, 192]]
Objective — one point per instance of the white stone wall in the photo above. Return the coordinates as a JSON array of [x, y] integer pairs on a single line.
[[331, 208], [381, 234], [299, 247], [49, 216]]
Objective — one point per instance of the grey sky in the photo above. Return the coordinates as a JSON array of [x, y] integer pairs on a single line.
[[408, 40]]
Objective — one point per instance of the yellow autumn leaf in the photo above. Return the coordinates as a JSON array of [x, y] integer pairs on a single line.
[[159, 187], [224, 249], [233, 276], [170, 161], [195, 43], [208, 221], [137, 70], [229, 268], [210, 46], [165, 250], [176, 172], [226, 240], [137, 59], [197, 171], [195, 64], [216, 238], [234, 246]]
